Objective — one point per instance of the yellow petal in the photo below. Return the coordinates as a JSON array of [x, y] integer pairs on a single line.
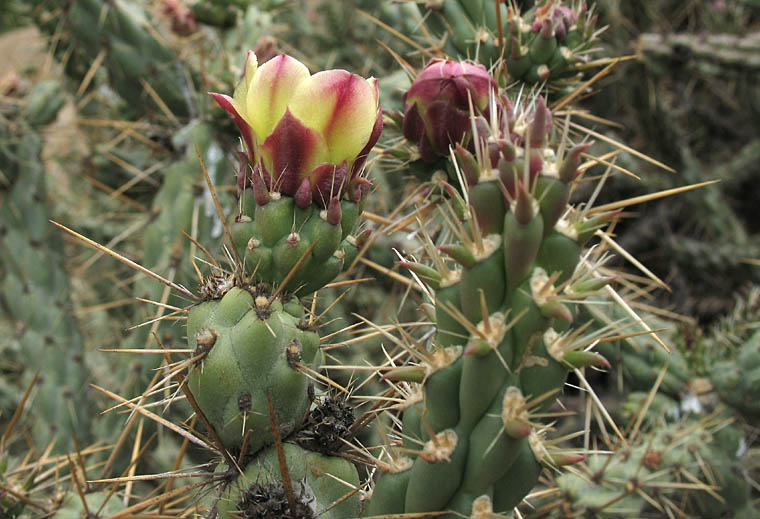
[[270, 90], [340, 106]]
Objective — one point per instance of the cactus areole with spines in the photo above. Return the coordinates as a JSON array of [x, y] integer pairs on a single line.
[[301, 180]]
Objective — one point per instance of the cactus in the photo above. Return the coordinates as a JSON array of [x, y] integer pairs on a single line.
[[251, 347], [503, 314], [35, 294], [259, 492], [691, 464], [255, 352], [736, 380], [544, 43], [711, 54], [293, 221], [133, 56], [97, 505], [498, 252]]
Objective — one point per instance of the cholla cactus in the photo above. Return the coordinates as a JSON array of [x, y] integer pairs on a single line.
[[321, 486], [304, 200], [503, 311], [545, 43], [137, 63], [737, 380], [255, 349]]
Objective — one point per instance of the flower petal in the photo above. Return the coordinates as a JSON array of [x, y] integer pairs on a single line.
[[270, 90], [377, 129], [241, 89], [342, 107], [234, 111], [291, 152], [327, 181]]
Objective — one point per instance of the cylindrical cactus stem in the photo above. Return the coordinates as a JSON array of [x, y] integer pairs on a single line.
[[513, 307], [448, 300], [133, 56], [494, 442], [441, 390], [523, 232], [484, 280], [437, 472], [517, 481], [389, 494], [484, 368], [251, 347]]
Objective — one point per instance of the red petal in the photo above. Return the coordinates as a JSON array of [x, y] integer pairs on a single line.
[[414, 126], [226, 102], [327, 181], [291, 152], [374, 136]]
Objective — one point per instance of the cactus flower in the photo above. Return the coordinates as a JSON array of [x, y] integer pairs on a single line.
[[306, 136], [437, 105]]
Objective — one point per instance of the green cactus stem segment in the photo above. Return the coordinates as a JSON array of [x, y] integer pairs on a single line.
[[277, 237], [490, 453], [487, 201], [484, 373], [250, 349], [450, 330], [559, 255], [442, 389], [483, 279], [518, 481], [553, 196], [389, 493], [522, 241], [436, 473]]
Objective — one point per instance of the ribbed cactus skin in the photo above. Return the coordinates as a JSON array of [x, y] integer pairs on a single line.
[[641, 358], [723, 360], [271, 239], [252, 349], [133, 54], [313, 477], [481, 389], [34, 285], [221, 13]]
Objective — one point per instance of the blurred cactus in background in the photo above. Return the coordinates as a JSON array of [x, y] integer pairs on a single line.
[[41, 335]]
